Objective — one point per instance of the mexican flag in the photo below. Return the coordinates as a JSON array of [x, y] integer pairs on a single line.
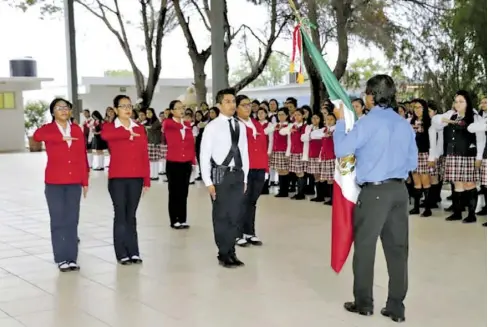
[[345, 188]]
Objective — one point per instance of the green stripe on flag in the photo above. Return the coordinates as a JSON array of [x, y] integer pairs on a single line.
[[334, 88]]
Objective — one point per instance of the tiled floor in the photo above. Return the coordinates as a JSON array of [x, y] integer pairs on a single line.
[[287, 282]]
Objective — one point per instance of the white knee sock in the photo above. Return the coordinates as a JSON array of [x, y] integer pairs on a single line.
[[90, 159], [193, 174], [95, 161], [153, 167], [102, 161]]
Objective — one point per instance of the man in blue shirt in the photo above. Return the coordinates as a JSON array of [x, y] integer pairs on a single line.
[[384, 145]]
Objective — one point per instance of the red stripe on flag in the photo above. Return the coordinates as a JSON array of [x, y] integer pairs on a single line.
[[342, 228]]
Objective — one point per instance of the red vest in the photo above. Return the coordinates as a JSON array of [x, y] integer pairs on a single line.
[[280, 142], [295, 136], [327, 151]]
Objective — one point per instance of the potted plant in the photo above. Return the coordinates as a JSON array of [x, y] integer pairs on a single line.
[[35, 117]]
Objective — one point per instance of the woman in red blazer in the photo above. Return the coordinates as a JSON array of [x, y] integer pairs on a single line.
[[179, 161], [66, 177], [257, 142], [128, 177]]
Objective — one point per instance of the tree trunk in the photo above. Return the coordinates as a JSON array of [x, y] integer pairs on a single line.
[[200, 78]]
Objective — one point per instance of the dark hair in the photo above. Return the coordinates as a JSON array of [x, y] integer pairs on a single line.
[[397, 108], [86, 110], [285, 111], [53, 104], [220, 94], [256, 101], [310, 113], [198, 112], [329, 105], [293, 101], [275, 101], [383, 90], [266, 103], [171, 106], [240, 98], [118, 98], [203, 103], [321, 119], [332, 115], [361, 102], [214, 109], [426, 120], [432, 105], [153, 119], [263, 109], [469, 114], [97, 115]]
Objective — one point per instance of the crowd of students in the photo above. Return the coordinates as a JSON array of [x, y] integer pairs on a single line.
[[291, 146]]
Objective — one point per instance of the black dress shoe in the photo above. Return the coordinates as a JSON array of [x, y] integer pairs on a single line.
[[396, 318], [236, 261], [226, 261], [351, 307], [135, 259]]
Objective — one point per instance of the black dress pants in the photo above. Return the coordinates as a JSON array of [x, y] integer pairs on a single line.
[[381, 211], [226, 211], [125, 194], [178, 175], [255, 182]]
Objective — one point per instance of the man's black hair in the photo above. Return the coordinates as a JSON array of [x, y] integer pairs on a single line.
[[383, 90], [220, 95], [293, 101]]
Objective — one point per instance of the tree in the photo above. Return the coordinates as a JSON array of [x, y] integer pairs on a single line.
[[118, 73], [371, 22], [34, 115], [450, 54], [278, 21], [156, 19], [274, 73], [361, 70]]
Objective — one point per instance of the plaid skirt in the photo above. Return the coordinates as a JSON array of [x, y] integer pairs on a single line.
[[327, 170], [297, 165], [423, 165], [483, 172], [154, 151], [313, 166], [164, 149], [279, 161], [460, 169]]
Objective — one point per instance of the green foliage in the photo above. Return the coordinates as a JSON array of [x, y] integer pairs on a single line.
[[118, 73], [274, 73], [35, 114]]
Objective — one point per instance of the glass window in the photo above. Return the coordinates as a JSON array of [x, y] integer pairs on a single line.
[[7, 100]]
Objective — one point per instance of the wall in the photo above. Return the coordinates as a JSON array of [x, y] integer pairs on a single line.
[[12, 135], [100, 97]]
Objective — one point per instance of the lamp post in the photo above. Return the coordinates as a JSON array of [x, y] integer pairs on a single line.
[[70, 34]]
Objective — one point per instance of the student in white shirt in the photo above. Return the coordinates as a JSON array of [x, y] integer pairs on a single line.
[[224, 162]]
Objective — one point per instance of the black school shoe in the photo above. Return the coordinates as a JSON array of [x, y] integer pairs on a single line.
[[135, 259], [396, 318], [351, 307]]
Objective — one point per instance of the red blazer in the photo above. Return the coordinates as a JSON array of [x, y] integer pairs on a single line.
[[179, 149], [65, 165], [257, 147], [128, 158]]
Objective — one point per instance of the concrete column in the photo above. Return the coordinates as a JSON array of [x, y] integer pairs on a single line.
[[69, 18], [219, 80]]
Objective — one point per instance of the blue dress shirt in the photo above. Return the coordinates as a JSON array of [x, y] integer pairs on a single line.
[[383, 143]]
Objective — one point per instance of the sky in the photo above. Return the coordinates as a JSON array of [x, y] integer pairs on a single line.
[[25, 34]]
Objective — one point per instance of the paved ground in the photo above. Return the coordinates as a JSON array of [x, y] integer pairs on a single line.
[[288, 282]]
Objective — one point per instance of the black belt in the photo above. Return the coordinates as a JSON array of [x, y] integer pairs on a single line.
[[386, 181], [233, 169]]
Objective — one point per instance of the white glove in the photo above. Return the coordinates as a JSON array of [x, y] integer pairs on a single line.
[[266, 176]]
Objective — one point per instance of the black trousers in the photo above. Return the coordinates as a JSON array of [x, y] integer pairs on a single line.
[[178, 174], [226, 211], [125, 194], [255, 183], [381, 210]]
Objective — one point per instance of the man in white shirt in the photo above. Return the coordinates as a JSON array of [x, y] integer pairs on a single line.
[[224, 164]]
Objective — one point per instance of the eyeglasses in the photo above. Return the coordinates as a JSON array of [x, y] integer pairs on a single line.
[[125, 106], [61, 108], [245, 105]]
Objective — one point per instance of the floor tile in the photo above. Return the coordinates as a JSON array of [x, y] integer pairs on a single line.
[[286, 283]]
